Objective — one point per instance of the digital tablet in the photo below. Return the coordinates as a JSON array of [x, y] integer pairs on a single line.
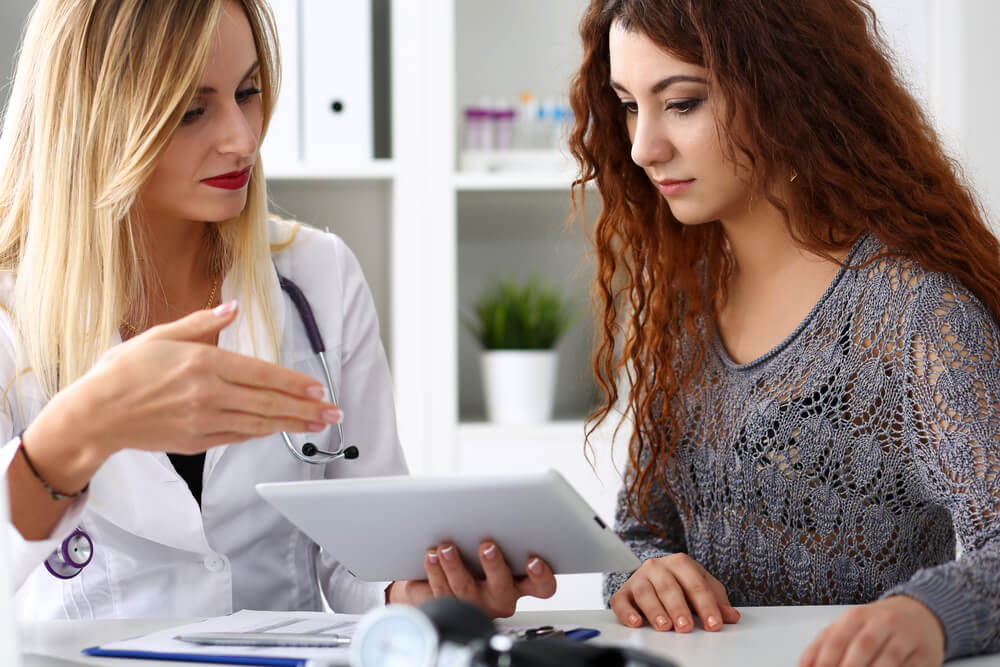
[[380, 527]]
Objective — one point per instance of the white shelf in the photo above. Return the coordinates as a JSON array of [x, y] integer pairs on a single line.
[[472, 433], [471, 181], [382, 169]]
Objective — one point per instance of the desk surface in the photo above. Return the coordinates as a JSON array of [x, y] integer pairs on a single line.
[[765, 636]]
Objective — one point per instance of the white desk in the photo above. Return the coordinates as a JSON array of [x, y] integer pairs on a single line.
[[764, 637]]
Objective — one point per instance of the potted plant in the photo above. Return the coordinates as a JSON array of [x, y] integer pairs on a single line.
[[517, 326]]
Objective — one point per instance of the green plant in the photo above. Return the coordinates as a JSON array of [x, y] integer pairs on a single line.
[[514, 316]]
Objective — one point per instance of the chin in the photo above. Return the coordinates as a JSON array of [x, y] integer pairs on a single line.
[[690, 218], [222, 213]]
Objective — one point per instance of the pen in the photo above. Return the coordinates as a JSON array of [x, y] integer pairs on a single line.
[[265, 639]]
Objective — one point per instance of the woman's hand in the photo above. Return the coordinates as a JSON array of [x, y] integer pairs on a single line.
[[669, 591], [898, 630], [497, 595], [163, 391]]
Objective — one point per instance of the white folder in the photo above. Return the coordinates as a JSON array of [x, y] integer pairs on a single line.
[[282, 146], [337, 81]]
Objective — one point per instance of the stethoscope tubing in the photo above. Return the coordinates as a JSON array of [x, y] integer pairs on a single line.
[[310, 453]]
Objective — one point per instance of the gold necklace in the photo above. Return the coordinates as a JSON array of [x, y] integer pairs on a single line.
[[211, 302]]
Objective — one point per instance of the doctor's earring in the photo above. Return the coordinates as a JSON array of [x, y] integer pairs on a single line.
[[795, 175]]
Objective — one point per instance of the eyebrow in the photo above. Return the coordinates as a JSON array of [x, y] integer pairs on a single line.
[[663, 84], [205, 90]]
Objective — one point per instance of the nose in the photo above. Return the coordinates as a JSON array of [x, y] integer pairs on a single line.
[[239, 130], [650, 144]]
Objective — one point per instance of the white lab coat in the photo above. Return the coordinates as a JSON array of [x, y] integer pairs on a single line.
[[155, 553]]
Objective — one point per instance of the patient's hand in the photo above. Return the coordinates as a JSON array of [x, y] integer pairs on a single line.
[[669, 592], [497, 595]]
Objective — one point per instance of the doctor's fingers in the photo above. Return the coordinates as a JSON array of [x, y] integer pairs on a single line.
[[270, 403], [499, 591], [248, 371], [460, 581], [197, 326], [249, 425], [436, 578], [540, 582]]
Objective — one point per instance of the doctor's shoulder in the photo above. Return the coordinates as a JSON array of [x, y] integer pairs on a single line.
[[307, 254]]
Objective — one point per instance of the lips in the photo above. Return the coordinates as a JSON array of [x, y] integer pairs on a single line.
[[670, 186], [233, 180]]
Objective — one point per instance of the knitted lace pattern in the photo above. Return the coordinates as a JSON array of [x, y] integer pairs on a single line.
[[839, 467]]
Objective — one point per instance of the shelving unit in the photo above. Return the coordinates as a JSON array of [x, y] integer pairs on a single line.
[[513, 181], [380, 169]]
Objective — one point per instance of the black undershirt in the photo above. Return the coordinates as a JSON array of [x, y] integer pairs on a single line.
[[191, 468]]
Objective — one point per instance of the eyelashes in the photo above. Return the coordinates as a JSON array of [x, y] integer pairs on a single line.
[[246, 93], [679, 107], [685, 106], [242, 96]]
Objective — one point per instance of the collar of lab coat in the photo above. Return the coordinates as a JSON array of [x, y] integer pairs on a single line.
[[153, 470]]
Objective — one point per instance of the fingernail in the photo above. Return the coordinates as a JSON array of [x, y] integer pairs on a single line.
[[535, 566], [225, 308], [711, 622], [316, 427], [432, 557], [448, 552], [332, 416], [316, 391], [661, 621], [682, 622], [490, 552], [633, 619]]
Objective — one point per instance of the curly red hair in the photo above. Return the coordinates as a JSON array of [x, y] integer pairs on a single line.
[[813, 84]]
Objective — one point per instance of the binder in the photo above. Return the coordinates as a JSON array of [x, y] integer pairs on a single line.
[[282, 146], [337, 81]]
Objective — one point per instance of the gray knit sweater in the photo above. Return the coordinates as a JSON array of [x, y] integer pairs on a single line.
[[839, 467]]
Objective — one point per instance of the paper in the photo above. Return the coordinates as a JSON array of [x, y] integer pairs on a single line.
[[163, 644]]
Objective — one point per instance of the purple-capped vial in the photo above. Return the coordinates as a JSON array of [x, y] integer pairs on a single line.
[[503, 129], [478, 130]]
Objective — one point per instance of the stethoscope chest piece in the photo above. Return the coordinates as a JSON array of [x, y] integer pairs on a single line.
[[72, 556]]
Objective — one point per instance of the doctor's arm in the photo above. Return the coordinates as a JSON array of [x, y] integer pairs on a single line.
[[164, 390]]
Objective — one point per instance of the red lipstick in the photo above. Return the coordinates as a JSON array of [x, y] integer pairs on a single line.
[[234, 180], [669, 186]]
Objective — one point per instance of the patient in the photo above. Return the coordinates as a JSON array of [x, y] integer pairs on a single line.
[[799, 303]]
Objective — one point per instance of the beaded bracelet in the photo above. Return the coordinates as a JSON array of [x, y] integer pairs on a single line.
[[53, 492]]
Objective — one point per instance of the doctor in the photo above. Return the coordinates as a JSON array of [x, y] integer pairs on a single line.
[[148, 356]]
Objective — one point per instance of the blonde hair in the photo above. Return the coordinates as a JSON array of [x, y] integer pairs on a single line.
[[99, 89]]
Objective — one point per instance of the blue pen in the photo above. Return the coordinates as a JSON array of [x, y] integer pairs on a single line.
[[581, 634]]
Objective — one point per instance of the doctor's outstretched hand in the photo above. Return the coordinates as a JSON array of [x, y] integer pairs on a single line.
[[497, 595], [168, 389]]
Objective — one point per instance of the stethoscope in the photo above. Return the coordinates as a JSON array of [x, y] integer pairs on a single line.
[[77, 550], [310, 453]]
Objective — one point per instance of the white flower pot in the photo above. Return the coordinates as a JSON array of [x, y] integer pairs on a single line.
[[520, 385]]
